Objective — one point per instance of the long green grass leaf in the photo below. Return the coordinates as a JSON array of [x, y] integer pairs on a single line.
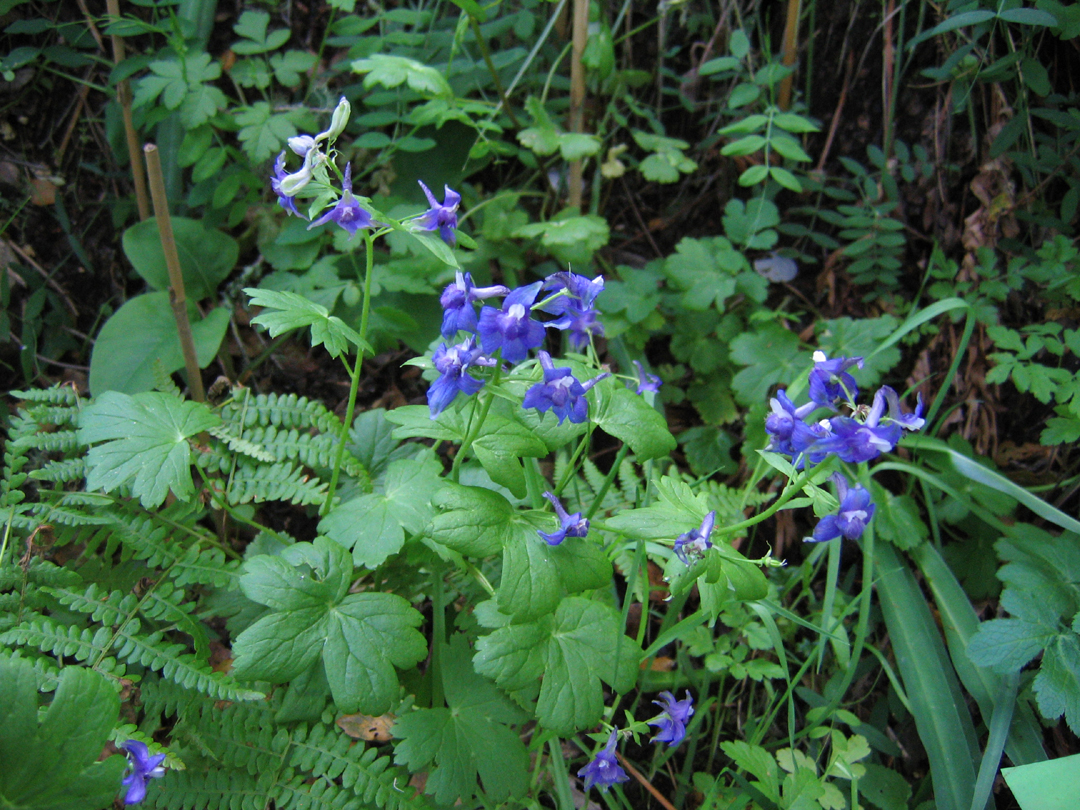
[[960, 623], [943, 721]]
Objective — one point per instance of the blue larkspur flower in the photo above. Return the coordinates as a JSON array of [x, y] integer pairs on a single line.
[[604, 770], [646, 381], [560, 392], [696, 540], [672, 721], [783, 420], [453, 363], [511, 328], [576, 308], [830, 382], [441, 217], [286, 201], [457, 303], [143, 767], [347, 212], [569, 525], [852, 516]]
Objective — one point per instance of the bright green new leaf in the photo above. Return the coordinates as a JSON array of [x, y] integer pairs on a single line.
[[144, 443], [393, 71], [373, 526], [626, 416], [360, 637], [50, 760], [471, 520], [262, 132], [574, 649], [471, 738], [285, 311]]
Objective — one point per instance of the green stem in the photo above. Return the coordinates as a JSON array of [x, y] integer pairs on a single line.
[[354, 384], [492, 70], [438, 636], [606, 485], [474, 428]]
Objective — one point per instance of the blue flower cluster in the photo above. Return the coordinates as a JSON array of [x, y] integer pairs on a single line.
[[317, 153], [512, 331], [853, 439], [849, 438], [604, 769]]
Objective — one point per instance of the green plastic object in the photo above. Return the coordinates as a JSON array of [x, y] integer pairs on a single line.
[[1050, 785]]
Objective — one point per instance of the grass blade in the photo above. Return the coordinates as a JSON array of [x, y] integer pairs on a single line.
[[942, 719]]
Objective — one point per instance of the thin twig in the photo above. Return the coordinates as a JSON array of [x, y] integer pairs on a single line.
[[177, 296], [577, 93], [645, 783], [123, 95]]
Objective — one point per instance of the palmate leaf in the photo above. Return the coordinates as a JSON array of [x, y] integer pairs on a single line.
[[470, 738], [285, 311], [573, 649], [53, 765], [535, 576], [360, 638], [144, 443]]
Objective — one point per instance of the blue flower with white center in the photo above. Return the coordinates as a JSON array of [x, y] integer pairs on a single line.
[[576, 308], [560, 392], [143, 767], [646, 381], [853, 441], [441, 217], [672, 721], [347, 212], [452, 364], [604, 770], [695, 540], [457, 303], [851, 518], [830, 382], [511, 328], [781, 423], [569, 525]]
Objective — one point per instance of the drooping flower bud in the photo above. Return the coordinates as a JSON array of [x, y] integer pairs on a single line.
[[301, 144], [337, 121]]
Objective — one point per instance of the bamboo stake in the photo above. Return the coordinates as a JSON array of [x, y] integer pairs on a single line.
[[791, 33], [177, 296], [577, 92], [123, 95]]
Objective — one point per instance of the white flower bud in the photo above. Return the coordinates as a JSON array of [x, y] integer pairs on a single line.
[[302, 144], [292, 183], [337, 122]]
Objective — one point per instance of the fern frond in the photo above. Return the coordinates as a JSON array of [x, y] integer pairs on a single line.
[[239, 445], [161, 697], [82, 644], [147, 538], [242, 736], [298, 794], [629, 483], [592, 474], [103, 607], [174, 662], [61, 471], [277, 482], [166, 603], [311, 450], [59, 441], [57, 395], [325, 751], [210, 790], [286, 411]]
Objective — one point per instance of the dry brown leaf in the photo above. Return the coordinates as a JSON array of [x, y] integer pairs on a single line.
[[367, 728]]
